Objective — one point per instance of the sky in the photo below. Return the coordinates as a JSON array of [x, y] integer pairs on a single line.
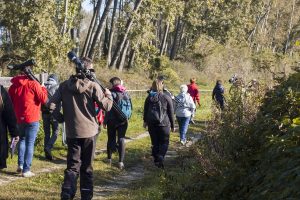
[[87, 5]]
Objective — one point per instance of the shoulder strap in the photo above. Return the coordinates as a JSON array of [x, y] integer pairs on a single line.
[[114, 95]]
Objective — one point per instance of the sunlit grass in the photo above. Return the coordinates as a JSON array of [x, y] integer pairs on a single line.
[[47, 185]]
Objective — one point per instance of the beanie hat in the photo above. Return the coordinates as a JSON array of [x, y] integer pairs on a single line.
[[54, 77], [183, 88]]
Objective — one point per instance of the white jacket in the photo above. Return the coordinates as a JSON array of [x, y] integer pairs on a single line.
[[184, 106]]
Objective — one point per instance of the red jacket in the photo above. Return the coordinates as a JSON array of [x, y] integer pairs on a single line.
[[27, 96], [194, 92]]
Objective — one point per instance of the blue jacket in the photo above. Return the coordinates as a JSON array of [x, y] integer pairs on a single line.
[[218, 93]]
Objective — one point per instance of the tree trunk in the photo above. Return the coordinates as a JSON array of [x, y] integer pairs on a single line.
[[123, 56], [181, 35], [124, 36], [99, 29], [64, 28], [106, 40], [273, 45], [120, 7], [111, 33], [90, 30], [164, 42], [131, 59], [94, 29], [175, 41], [159, 29], [290, 28]]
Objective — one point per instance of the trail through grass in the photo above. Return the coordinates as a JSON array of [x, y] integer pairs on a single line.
[[140, 179]]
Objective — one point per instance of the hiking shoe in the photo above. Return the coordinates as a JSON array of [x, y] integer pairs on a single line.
[[65, 196], [20, 169], [28, 174], [48, 155], [192, 122], [161, 165], [121, 165], [161, 162], [183, 142]]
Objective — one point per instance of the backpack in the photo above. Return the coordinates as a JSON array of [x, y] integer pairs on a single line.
[[124, 102], [100, 114], [155, 113]]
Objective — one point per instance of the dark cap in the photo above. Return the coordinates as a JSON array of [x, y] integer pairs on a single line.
[[161, 78], [115, 80]]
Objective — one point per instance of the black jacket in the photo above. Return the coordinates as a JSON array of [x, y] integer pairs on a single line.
[[8, 121], [167, 105]]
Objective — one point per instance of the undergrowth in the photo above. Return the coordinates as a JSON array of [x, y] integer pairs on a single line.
[[250, 151]]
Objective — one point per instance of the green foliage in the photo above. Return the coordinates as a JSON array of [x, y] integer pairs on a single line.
[[162, 66], [245, 155], [36, 32]]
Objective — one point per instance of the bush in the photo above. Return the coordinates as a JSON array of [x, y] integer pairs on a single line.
[[250, 151]]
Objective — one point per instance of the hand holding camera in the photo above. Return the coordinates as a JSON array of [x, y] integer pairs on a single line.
[[107, 92]]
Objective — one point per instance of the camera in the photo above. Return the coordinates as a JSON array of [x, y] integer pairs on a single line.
[[79, 64], [233, 79], [22, 66]]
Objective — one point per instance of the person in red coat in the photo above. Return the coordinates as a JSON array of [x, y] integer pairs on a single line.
[[194, 91], [27, 97]]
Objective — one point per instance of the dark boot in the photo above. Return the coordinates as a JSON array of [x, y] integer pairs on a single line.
[[69, 187], [86, 194], [48, 154]]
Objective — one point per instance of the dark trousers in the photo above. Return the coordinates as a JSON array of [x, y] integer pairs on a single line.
[[79, 162], [160, 136], [49, 123], [113, 131]]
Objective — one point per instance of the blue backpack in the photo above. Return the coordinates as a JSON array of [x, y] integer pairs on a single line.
[[124, 102]]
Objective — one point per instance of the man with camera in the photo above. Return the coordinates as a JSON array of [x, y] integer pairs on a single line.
[[27, 96], [78, 95]]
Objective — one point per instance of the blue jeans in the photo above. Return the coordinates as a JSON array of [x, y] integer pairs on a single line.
[[183, 123], [48, 123], [28, 133]]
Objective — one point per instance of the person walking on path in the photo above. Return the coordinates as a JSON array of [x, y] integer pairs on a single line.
[[218, 94], [193, 90], [8, 121], [27, 97], [159, 118], [184, 109], [49, 122], [116, 127], [78, 95]]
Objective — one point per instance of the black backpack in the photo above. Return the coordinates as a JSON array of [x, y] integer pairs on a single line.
[[155, 113]]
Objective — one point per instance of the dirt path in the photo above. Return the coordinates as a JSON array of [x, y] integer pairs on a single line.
[[135, 173], [119, 182]]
